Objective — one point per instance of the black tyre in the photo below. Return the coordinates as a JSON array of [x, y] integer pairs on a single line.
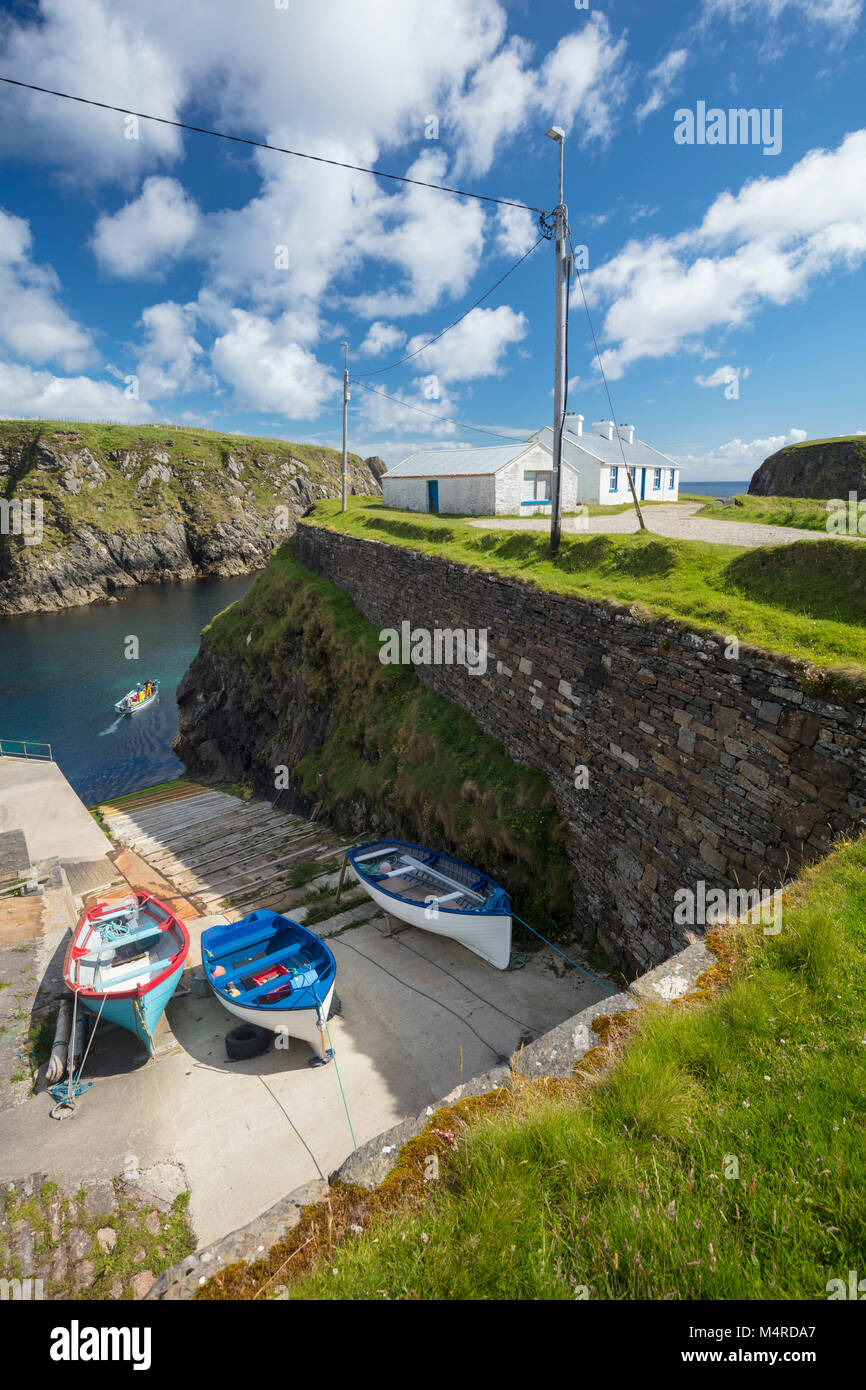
[[247, 1041]]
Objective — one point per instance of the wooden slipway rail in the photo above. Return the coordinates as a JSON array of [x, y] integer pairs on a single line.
[[217, 850]]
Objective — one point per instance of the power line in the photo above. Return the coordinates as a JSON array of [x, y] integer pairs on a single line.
[[486, 295], [446, 418], [277, 149], [628, 475]]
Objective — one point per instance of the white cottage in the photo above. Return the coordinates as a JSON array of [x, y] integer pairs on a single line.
[[598, 458], [506, 480]]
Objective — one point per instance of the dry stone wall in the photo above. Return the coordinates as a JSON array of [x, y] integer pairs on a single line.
[[699, 767]]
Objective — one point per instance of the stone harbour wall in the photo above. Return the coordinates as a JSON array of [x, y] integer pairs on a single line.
[[673, 763]]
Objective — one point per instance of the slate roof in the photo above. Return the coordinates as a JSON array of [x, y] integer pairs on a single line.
[[450, 463]]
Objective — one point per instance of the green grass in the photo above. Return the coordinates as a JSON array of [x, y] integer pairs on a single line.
[[802, 513], [199, 493], [806, 600], [722, 1156], [308, 869], [136, 1248], [389, 739]]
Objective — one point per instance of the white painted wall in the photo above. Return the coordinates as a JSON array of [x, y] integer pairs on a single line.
[[665, 493], [510, 490], [409, 494]]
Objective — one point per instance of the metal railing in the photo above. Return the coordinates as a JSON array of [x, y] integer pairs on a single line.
[[26, 748]]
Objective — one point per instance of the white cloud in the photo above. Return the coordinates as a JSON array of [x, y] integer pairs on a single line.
[[170, 357], [765, 245], [26, 394], [382, 337], [434, 242], [735, 460], [270, 371], [279, 268], [517, 231], [662, 78], [583, 82], [145, 236], [475, 348], [723, 375], [840, 15], [90, 48], [33, 326]]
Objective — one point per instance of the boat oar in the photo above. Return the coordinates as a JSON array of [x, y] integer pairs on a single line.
[[342, 876]]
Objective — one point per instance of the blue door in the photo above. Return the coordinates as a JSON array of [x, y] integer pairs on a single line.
[[642, 484], [432, 495]]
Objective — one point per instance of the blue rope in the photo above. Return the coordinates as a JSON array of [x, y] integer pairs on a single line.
[[562, 953], [65, 1090]]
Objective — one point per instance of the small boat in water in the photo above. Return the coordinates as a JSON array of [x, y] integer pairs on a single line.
[[124, 962], [138, 698], [439, 894], [273, 973]]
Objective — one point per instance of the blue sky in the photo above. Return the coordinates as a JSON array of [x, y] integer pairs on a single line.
[[174, 277]]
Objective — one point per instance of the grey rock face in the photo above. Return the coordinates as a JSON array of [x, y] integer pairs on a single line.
[[832, 468]]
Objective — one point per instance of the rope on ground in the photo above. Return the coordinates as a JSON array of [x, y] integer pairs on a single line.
[[562, 953], [340, 1083], [323, 1023], [66, 1093]]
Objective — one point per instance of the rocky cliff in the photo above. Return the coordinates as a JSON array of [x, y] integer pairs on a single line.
[[822, 468], [89, 510]]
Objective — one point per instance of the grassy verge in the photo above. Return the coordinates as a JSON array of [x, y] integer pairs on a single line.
[[802, 513], [806, 600], [720, 1156], [391, 740]]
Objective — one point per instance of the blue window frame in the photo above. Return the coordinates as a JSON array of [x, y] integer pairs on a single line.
[[673, 477], [614, 480], [657, 479]]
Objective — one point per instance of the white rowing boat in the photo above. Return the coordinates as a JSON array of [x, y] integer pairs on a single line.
[[437, 893]]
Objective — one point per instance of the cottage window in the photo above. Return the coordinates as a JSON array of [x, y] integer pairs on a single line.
[[657, 479], [536, 486], [614, 480], [673, 478]]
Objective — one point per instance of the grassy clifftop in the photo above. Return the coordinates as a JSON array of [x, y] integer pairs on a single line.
[[126, 504]]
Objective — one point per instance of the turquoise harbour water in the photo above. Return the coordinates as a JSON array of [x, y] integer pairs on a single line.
[[60, 674], [716, 489]]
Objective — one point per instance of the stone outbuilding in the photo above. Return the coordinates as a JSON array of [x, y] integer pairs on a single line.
[[506, 480]]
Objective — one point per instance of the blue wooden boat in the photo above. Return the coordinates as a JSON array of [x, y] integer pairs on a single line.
[[125, 960], [439, 894], [273, 973]]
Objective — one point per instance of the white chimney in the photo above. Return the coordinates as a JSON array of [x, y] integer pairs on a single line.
[[626, 433], [604, 428], [575, 422]]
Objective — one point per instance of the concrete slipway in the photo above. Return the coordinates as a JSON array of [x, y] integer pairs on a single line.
[[419, 1015]]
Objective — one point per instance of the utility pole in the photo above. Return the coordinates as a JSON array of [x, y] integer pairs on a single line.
[[346, 398], [560, 383]]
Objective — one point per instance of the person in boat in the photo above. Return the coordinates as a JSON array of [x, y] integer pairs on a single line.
[[148, 688]]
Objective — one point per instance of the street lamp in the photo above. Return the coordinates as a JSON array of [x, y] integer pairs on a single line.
[[560, 384]]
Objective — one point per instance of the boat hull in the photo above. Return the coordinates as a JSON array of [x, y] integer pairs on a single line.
[[271, 972], [121, 707], [488, 935], [136, 999], [138, 1016], [296, 1023]]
